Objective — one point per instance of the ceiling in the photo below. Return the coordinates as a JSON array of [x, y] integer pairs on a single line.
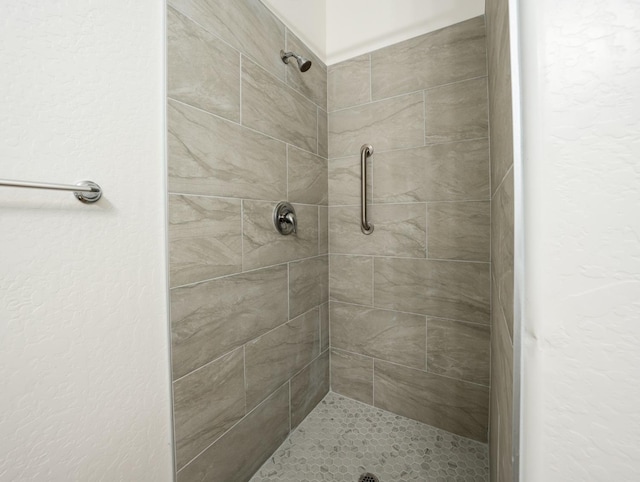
[[337, 30]]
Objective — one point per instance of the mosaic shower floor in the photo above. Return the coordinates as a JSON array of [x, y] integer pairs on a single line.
[[342, 438]]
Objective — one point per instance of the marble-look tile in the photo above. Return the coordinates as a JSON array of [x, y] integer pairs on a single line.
[[349, 83], [208, 155], [453, 405], [388, 335], [342, 438], [202, 70], [456, 112], [308, 183], [308, 284], [270, 106], [312, 83], [456, 290], [502, 246], [344, 181], [323, 230], [240, 452], [323, 133], [264, 246], [247, 25], [459, 230], [274, 357], [444, 172], [324, 327], [309, 387], [351, 279], [448, 55], [499, 72], [399, 230], [352, 375], [207, 403], [458, 350], [214, 317], [389, 124], [205, 238]]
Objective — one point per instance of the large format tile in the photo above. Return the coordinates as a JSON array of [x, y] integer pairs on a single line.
[[202, 70], [274, 357], [205, 238], [308, 284], [214, 317], [264, 246], [502, 246], [324, 326], [323, 230], [247, 25], [242, 450], [500, 104], [399, 230], [444, 172], [458, 350], [459, 231], [270, 106], [207, 403], [448, 55], [446, 289], [389, 335], [323, 133], [453, 405], [502, 391], [208, 155], [352, 375], [309, 387], [349, 83], [307, 177], [312, 83], [456, 112], [389, 124], [345, 178], [351, 279]]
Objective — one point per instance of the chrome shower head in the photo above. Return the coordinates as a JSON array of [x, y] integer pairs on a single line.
[[303, 64]]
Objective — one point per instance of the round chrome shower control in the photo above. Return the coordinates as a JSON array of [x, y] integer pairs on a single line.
[[284, 219]]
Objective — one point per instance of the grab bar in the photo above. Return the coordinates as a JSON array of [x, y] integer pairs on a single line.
[[365, 151], [84, 191]]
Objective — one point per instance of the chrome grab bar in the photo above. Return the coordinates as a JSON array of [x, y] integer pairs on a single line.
[[84, 191], [365, 151]]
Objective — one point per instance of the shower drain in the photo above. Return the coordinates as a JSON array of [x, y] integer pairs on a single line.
[[368, 477]]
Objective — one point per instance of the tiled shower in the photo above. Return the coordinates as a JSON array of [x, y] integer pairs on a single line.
[[263, 326]]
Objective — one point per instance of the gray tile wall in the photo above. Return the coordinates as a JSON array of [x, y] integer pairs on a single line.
[[249, 307], [410, 304], [500, 123]]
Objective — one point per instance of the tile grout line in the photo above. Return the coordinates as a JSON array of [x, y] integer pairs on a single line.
[[478, 323], [408, 148], [253, 270], [476, 384], [230, 428], [240, 122], [395, 96], [244, 126]]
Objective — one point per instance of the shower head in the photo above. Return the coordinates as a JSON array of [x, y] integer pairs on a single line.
[[303, 64]]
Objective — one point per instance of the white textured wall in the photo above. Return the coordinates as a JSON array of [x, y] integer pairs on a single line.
[[581, 128], [355, 27], [347, 28], [83, 310], [307, 19]]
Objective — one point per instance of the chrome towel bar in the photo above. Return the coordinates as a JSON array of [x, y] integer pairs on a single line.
[[365, 151], [84, 191]]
